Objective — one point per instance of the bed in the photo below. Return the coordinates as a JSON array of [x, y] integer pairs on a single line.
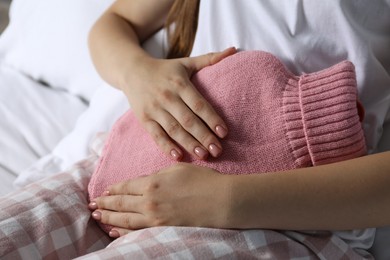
[[52, 102]]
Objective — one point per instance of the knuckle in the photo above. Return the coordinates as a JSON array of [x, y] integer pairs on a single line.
[[152, 187], [179, 83], [173, 128], [188, 120], [120, 203], [126, 221], [167, 95], [151, 206], [199, 106], [155, 104], [144, 116]]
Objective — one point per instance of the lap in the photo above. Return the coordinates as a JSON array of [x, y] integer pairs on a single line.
[[50, 218], [208, 243]]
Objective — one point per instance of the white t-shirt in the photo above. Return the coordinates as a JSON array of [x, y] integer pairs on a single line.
[[307, 36]]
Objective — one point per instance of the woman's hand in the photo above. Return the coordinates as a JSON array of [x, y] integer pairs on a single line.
[[159, 90], [181, 195], [171, 109]]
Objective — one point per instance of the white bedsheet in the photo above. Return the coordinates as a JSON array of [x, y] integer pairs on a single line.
[[106, 106], [34, 118]]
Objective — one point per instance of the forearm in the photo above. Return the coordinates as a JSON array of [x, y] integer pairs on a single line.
[[114, 40], [114, 48], [346, 195]]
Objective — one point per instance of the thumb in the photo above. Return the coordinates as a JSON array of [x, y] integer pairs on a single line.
[[197, 63]]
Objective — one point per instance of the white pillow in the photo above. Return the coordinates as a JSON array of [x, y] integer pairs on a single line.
[[47, 40]]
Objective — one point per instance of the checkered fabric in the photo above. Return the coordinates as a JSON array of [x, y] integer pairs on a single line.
[[207, 243], [50, 220]]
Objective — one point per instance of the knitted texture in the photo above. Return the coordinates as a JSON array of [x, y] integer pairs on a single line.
[[277, 121]]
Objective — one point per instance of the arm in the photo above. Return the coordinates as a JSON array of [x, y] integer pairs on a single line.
[[159, 91], [114, 40], [345, 195]]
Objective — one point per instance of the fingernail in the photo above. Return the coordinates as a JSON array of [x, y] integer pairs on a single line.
[[114, 234], [175, 154], [200, 152], [221, 131], [106, 193], [214, 150], [92, 205], [97, 215]]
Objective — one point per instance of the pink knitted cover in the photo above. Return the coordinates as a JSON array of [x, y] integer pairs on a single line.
[[277, 121]]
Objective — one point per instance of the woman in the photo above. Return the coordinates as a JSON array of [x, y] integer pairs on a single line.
[[174, 113], [181, 119]]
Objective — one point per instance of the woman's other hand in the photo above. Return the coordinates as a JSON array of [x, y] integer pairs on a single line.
[[176, 196], [171, 109]]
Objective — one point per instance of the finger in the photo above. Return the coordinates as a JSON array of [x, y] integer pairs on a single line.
[[199, 62], [175, 131], [180, 124], [126, 220], [195, 127], [120, 203], [202, 108], [161, 138], [119, 232], [135, 187]]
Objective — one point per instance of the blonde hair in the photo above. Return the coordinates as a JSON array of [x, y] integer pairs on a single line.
[[184, 18]]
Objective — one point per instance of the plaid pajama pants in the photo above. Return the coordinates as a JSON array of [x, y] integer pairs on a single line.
[[50, 219]]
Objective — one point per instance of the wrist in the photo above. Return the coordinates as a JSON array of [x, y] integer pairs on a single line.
[[251, 201], [135, 71], [237, 197]]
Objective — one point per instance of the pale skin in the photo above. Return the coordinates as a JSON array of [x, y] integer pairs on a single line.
[[345, 195], [159, 91]]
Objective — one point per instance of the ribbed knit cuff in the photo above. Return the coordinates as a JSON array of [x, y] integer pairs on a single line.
[[321, 115]]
